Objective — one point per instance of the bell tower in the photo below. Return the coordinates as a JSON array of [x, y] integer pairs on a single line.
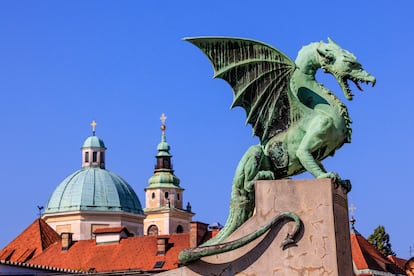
[[164, 197]]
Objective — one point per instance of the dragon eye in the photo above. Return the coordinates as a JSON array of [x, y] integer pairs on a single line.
[[353, 64]]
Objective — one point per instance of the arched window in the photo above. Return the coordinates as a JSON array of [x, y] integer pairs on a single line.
[[153, 195], [180, 229], [166, 195], [178, 196], [152, 230]]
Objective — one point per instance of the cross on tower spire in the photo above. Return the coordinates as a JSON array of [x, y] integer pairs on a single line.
[[163, 118]]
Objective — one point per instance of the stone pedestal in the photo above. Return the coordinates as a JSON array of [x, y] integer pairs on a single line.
[[323, 246]]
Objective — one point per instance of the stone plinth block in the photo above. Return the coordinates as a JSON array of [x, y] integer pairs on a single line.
[[322, 246]]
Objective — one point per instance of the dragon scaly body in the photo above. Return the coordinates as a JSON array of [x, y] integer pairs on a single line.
[[298, 120]]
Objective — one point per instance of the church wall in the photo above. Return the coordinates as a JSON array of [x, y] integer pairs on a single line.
[[82, 224], [167, 221], [157, 220], [175, 197]]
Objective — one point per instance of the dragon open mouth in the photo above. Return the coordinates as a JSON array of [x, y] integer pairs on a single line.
[[343, 82]]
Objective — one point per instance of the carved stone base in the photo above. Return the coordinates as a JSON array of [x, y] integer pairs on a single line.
[[323, 246]]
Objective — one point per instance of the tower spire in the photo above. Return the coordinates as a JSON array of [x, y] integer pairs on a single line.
[[163, 156], [164, 196]]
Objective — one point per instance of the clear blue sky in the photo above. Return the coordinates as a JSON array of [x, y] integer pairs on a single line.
[[123, 63]]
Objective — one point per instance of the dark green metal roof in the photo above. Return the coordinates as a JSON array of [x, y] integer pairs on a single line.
[[93, 188], [163, 147], [163, 179], [93, 142]]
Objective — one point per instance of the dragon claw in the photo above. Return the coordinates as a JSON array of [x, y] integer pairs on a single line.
[[265, 175], [346, 184], [332, 175]]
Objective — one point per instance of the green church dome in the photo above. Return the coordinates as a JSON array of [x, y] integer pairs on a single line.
[[93, 142], [94, 188]]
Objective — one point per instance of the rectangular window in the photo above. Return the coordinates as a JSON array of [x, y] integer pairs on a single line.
[[94, 156], [87, 157]]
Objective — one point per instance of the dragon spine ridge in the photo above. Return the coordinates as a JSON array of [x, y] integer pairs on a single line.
[[298, 120]]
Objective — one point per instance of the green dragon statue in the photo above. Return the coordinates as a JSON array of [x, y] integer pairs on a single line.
[[298, 120]]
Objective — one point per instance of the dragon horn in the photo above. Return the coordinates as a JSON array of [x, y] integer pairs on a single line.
[[332, 42]]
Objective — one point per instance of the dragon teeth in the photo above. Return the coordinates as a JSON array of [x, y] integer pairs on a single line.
[[358, 86]]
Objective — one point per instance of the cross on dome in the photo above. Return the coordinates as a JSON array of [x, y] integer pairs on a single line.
[[93, 125]]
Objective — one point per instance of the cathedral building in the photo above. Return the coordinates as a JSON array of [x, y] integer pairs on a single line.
[[94, 221]]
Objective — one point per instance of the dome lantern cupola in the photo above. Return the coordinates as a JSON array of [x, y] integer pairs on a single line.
[[93, 151]]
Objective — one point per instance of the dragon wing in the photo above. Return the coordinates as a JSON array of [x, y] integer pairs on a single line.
[[259, 75]]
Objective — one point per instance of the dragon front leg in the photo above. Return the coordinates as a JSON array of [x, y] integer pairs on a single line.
[[314, 139]]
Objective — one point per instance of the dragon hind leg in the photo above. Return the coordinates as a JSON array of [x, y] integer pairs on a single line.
[[253, 166]]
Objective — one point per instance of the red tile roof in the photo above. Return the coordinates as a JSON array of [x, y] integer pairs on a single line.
[[30, 243], [367, 258], [133, 253], [398, 261], [40, 245]]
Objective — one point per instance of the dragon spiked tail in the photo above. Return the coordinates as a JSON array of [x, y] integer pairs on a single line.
[[192, 254]]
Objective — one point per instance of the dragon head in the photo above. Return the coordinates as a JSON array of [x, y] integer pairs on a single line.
[[344, 66]]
